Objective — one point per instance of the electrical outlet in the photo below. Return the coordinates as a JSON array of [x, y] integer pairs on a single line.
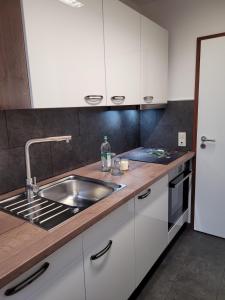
[[182, 139]]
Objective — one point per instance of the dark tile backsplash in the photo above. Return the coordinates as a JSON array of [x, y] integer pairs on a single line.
[[87, 127], [159, 128], [126, 129], [3, 132], [21, 125]]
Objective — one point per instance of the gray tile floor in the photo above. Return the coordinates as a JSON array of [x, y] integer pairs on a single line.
[[194, 269]]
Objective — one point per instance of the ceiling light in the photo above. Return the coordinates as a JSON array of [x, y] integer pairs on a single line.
[[72, 3]]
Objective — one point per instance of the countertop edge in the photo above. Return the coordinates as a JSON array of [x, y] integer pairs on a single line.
[[25, 264]]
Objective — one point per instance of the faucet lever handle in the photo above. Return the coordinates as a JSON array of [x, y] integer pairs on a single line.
[[35, 187]]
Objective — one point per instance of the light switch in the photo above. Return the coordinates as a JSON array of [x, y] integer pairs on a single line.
[[182, 139]]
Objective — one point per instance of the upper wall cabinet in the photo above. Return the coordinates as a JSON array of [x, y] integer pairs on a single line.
[[65, 49], [83, 53], [154, 62], [122, 53]]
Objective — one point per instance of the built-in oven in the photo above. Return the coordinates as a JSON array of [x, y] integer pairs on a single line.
[[179, 197]]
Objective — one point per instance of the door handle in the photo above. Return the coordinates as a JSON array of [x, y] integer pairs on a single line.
[[204, 140]]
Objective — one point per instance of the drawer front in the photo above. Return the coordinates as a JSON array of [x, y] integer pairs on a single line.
[[151, 226], [62, 279], [110, 274]]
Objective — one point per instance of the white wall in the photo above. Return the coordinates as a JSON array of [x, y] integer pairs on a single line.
[[186, 20]]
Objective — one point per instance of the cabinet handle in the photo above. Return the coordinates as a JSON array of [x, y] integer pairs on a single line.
[[27, 281], [145, 195], [102, 252], [148, 99], [118, 99], [93, 99], [175, 183]]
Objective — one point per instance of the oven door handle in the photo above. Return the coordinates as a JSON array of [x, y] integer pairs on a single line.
[[173, 184]]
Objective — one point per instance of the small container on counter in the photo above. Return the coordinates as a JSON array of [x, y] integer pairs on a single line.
[[115, 170], [124, 164]]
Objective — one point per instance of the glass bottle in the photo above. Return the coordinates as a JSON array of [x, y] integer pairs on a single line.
[[106, 155]]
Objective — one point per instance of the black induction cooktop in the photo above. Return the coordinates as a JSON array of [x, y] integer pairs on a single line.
[[153, 155]]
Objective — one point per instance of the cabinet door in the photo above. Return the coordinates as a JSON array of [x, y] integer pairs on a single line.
[[122, 51], [154, 62], [151, 226], [65, 48], [63, 279], [111, 275]]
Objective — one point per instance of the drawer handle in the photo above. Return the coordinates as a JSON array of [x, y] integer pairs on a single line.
[[93, 99], [148, 99], [102, 252], [145, 195], [118, 99], [27, 281]]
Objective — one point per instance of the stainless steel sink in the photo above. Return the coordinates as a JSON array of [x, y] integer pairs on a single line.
[[59, 201], [77, 191]]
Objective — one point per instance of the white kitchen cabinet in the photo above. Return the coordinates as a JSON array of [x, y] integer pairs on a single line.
[[63, 279], [65, 49], [122, 27], [111, 276], [151, 226], [154, 62]]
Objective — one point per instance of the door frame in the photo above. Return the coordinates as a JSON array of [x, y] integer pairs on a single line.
[[195, 124]]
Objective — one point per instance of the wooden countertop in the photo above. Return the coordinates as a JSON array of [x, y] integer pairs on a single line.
[[22, 244]]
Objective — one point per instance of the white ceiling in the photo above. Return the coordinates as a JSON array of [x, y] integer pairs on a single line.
[[143, 6]]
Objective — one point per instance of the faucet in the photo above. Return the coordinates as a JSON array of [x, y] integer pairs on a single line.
[[31, 183]]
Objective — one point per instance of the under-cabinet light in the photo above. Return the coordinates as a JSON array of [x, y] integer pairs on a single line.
[[72, 3]]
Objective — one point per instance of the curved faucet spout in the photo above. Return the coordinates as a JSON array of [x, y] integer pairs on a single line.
[[31, 185]]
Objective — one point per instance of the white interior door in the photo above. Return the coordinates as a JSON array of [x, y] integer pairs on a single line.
[[210, 169]]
